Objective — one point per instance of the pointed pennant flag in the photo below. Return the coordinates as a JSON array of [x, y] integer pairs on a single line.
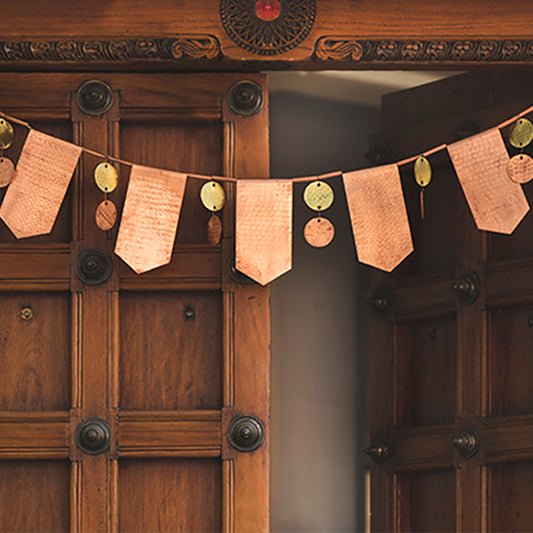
[[150, 217], [263, 234], [379, 219], [41, 180], [480, 162]]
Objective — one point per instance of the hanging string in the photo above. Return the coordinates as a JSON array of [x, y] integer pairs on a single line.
[[303, 179]]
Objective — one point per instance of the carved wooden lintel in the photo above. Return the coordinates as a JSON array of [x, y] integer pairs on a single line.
[[181, 47], [353, 50]]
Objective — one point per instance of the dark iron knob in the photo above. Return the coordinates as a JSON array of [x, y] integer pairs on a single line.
[[93, 436], [245, 98], [94, 97], [467, 287], [246, 434], [380, 301], [94, 267], [379, 451], [466, 442]]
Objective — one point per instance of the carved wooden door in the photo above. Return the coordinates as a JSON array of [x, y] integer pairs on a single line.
[[451, 404], [116, 396]]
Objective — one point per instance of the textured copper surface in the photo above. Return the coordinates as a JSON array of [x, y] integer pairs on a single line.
[[379, 219], [7, 170], [263, 235], [150, 217], [520, 168], [41, 179], [480, 161], [214, 230], [319, 232], [106, 215]]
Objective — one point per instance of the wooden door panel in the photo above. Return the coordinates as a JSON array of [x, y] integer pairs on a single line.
[[426, 371], [35, 496], [509, 497], [35, 351], [428, 501], [171, 350], [184, 487]]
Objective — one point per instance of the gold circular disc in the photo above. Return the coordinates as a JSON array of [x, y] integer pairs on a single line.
[[521, 133], [106, 215], [6, 134], [106, 177], [7, 170], [520, 168], [422, 171], [319, 232], [213, 196], [318, 195]]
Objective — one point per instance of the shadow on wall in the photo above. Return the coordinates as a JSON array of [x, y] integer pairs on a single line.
[[319, 355]]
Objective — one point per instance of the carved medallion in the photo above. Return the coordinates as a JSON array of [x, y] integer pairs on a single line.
[[267, 27]]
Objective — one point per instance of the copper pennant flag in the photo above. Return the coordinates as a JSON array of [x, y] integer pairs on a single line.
[[41, 180], [480, 162], [263, 234], [379, 219], [150, 217]]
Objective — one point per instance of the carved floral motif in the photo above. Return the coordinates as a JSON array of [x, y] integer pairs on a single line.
[[333, 48], [180, 47]]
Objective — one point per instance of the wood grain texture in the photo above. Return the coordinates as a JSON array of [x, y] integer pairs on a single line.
[[497, 204], [170, 495], [263, 229], [150, 217], [35, 496], [378, 216], [42, 176]]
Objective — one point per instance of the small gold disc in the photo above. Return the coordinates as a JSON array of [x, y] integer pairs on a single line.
[[213, 196], [214, 230], [106, 215], [422, 171], [6, 134], [520, 168], [319, 232], [7, 170], [521, 133], [106, 177], [318, 195]]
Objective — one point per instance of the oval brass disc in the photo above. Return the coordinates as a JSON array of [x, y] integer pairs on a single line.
[[106, 177], [520, 168], [7, 170], [422, 171], [214, 230], [318, 195], [319, 232], [521, 133], [106, 215], [6, 134], [213, 196]]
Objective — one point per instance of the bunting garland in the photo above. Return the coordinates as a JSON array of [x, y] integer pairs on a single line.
[[490, 178]]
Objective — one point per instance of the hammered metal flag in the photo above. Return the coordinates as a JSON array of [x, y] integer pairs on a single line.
[[379, 218], [263, 234], [480, 162], [150, 217], [41, 180]]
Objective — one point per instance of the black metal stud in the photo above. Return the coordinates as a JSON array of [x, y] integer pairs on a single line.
[[467, 287], [246, 433], [466, 442], [379, 451], [93, 436], [380, 302], [245, 98], [94, 97], [94, 267]]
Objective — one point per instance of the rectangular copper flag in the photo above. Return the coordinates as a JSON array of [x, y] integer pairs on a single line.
[[150, 217], [379, 218], [263, 234], [44, 170], [480, 162]]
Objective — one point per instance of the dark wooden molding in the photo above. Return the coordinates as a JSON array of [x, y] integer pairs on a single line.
[[352, 50], [180, 47]]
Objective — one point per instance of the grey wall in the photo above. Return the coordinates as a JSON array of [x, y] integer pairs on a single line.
[[319, 359]]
